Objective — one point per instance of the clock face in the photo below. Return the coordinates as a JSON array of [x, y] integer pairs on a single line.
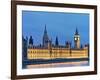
[[75, 38]]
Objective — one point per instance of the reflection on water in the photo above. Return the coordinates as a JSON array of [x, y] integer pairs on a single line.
[[59, 62], [63, 64]]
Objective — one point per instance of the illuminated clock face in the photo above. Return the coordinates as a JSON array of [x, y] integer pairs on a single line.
[[75, 38]]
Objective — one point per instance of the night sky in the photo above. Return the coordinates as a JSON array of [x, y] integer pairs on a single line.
[[60, 24]]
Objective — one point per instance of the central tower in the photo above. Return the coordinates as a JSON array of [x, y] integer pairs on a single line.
[[76, 39], [45, 38]]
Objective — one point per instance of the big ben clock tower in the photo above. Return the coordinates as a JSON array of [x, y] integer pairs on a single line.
[[76, 39]]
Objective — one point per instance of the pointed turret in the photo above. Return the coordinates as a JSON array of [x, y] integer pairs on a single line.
[[76, 33], [30, 40], [56, 41], [45, 30], [45, 38]]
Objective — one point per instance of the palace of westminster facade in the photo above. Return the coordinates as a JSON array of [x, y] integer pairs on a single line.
[[48, 50]]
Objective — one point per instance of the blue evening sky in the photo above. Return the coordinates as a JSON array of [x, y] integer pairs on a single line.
[[58, 24]]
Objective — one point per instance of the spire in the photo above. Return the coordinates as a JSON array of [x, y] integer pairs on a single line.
[[45, 37], [76, 33], [56, 41], [45, 30]]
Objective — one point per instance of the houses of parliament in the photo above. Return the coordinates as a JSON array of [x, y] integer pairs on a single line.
[[48, 50]]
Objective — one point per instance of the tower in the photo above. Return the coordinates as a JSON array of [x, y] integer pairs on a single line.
[[76, 39], [49, 44], [24, 51], [45, 38], [24, 47]]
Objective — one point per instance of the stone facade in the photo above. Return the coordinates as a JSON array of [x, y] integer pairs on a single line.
[[48, 50]]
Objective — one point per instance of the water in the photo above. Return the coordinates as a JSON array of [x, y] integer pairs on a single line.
[[56, 63]]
